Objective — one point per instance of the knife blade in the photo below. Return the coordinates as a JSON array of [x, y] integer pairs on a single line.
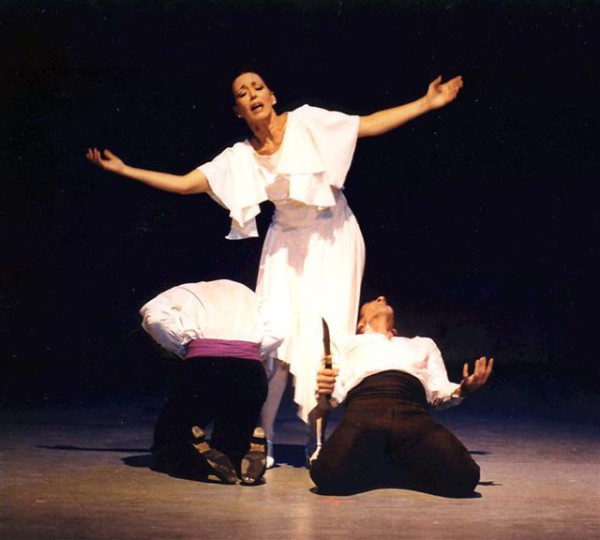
[[326, 345]]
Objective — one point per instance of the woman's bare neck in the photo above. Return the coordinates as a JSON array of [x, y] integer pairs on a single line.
[[268, 135]]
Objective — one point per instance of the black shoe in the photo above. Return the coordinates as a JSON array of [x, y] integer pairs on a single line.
[[218, 462], [254, 463]]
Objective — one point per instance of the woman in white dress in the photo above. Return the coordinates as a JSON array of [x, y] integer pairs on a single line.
[[313, 255]]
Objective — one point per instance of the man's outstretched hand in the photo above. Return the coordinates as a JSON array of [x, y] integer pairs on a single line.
[[481, 373]]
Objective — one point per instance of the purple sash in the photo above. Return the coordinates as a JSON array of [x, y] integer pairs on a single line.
[[222, 347]]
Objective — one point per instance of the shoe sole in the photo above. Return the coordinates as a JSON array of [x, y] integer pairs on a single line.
[[218, 462], [254, 463]]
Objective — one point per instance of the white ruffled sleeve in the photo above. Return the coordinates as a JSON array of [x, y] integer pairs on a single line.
[[235, 184], [335, 134], [317, 153]]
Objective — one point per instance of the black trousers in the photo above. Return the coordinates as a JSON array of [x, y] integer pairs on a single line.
[[387, 438], [229, 392]]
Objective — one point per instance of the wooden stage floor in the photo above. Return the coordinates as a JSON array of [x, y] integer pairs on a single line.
[[80, 470]]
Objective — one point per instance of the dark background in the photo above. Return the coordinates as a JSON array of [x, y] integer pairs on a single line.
[[480, 219]]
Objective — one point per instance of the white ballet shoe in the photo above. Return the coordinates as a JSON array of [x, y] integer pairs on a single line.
[[270, 458]]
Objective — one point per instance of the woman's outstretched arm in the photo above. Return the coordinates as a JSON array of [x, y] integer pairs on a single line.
[[185, 184], [438, 95]]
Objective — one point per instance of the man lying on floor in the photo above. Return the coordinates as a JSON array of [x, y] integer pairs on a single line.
[[220, 331], [386, 436]]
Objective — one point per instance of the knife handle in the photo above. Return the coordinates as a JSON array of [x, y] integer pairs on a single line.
[[328, 365]]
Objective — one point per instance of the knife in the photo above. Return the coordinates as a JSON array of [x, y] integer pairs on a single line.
[[326, 348]]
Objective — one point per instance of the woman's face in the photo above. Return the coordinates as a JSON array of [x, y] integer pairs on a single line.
[[253, 98]]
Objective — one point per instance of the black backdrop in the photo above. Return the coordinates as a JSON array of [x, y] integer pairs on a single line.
[[480, 219]]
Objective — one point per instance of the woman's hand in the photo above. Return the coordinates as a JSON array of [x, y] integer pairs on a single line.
[[440, 94], [109, 162]]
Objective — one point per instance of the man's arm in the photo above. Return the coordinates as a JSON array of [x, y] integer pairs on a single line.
[[163, 318]]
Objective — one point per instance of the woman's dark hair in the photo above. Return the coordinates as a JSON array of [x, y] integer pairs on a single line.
[[248, 68]]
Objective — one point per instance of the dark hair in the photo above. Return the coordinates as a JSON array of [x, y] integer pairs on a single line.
[[248, 68]]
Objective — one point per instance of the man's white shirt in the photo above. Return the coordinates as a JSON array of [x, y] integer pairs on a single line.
[[220, 309], [359, 356]]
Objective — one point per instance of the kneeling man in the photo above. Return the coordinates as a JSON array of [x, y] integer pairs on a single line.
[[221, 331], [386, 436]]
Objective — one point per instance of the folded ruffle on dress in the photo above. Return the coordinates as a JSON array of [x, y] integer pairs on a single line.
[[315, 157]]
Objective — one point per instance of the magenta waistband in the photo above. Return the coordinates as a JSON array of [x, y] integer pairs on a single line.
[[222, 347]]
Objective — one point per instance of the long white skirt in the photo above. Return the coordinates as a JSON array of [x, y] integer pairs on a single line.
[[311, 267]]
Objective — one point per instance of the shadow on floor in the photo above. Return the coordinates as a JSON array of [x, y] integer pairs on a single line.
[[286, 454], [91, 449]]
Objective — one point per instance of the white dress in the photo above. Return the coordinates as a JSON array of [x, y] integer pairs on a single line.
[[313, 256]]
